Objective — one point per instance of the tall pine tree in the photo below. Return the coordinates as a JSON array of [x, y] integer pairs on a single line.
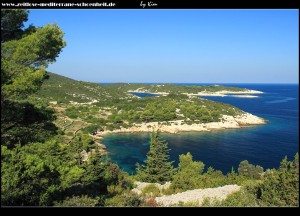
[[157, 168]]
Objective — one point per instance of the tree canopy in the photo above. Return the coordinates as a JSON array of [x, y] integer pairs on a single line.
[[12, 22], [24, 58], [157, 166]]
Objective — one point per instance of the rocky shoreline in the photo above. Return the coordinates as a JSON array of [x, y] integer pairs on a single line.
[[226, 122], [174, 127], [226, 93], [246, 94]]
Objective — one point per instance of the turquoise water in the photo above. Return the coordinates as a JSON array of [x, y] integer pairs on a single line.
[[265, 145]]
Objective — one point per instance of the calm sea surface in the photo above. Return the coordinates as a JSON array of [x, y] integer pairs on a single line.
[[265, 145]]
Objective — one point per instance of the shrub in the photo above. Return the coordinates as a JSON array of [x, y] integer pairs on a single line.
[[189, 173], [151, 190], [151, 202], [83, 200], [126, 199]]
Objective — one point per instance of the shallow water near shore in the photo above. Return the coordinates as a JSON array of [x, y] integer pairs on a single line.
[[265, 145]]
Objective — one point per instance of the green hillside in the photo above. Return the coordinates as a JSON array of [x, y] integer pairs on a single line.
[[112, 107], [172, 88], [63, 90], [51, 141]]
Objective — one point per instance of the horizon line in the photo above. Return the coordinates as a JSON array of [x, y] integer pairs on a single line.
[[194, 82]]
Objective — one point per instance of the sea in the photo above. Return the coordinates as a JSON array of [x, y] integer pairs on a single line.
[[265, 145]]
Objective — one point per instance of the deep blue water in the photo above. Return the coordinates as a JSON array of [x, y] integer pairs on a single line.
[[141, 94], [265, 145]]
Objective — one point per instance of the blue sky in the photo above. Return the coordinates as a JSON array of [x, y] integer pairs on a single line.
[[192, 46]]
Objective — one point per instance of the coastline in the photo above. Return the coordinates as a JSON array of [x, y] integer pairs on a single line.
[[226, 122], [223, 93]]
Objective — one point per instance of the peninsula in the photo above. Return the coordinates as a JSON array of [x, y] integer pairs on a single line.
[[98, 109]]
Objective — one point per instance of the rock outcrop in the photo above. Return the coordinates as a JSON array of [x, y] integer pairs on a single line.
[[226, 122]]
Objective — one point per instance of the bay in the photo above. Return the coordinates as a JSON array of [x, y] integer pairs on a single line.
[[264, 145]]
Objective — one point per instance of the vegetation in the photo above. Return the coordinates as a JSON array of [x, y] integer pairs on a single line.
[[275, 187], [151, 190], [188, 174], [64, 90], [172, 88], [39, 166], [278, 187], [281, 187], [49, 158], [105, 108], [157, 168], [24, 57]]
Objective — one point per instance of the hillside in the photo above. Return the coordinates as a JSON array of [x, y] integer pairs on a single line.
[[173, 88], [53, 127], [64, 90], [111, 107]]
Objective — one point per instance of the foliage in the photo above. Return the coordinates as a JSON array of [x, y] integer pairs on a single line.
[[23, 61], [112, 107], [79, 201], [277, 187], [281, 187], [40, 168], [249, 170], [12, 24], [150, 202], [237, 199], [212, 178], [234, 178], [188, 174], [30, 175], [64, 90], [187, 204], [82, 142], [157, 168], [36, 167], [172, 88], [22, 122], [125, 199], [151, 190]]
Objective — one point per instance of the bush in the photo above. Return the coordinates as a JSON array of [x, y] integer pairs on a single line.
[[151, 190], [90, 129], [213, 178], [249, 170], [151, 202], [126, 199], [189, 173], [187, 204], [83, 200], [281, 187], [241, 198]]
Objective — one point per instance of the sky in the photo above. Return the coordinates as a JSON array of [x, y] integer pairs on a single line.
[[176, 46]]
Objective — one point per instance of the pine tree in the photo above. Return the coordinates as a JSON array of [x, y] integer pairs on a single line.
[[281, 187], [157, 168]]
